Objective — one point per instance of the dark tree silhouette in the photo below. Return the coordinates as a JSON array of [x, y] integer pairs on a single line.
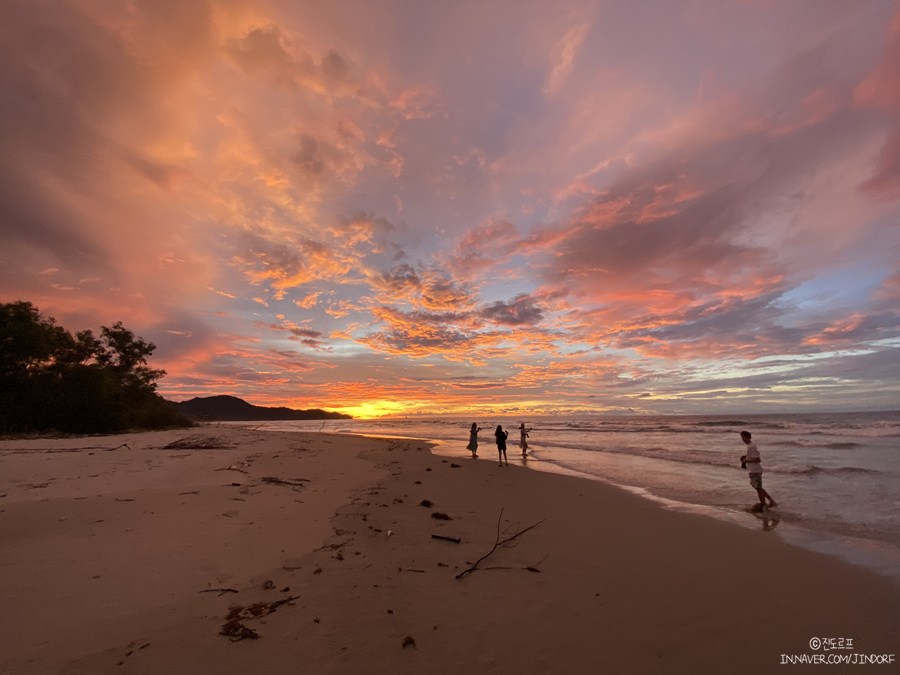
[[50, 380]]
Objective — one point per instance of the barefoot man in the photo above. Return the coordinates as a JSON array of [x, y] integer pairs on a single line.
[[752, 462]]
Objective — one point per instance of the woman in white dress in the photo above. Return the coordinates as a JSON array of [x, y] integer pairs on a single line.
[[523, 438], [473, 440]]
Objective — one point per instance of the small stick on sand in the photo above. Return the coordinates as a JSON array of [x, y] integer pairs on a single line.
[[220, 591], [333, 547], [272, 480], [440, 536]]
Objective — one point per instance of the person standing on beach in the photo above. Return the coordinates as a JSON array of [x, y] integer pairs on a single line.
[[501, 444], [754, 461], [523, 439], [473, 440]]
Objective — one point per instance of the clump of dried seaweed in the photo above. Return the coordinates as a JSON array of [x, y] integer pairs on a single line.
[[234, 627], [196, 442]]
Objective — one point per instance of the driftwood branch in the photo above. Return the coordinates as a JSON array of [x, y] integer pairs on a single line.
[[498, 543]]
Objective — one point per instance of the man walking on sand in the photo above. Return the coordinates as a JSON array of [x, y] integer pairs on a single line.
[[754, 461]]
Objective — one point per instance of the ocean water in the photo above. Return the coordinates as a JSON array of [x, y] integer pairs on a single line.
[[835, 476]]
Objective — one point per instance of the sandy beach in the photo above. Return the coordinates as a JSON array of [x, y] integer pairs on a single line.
[[316, 553]]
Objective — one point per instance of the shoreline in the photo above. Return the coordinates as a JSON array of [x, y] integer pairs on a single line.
[[871, 554], [615, 581]]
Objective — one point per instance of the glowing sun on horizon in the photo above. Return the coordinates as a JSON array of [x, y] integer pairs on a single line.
[[372, 409]]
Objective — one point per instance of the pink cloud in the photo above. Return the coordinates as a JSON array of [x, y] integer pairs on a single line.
[[543, 194]]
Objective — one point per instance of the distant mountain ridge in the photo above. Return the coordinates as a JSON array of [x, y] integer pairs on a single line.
[[233, 409]]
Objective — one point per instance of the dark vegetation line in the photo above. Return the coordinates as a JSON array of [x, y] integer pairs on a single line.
[[53, 381]]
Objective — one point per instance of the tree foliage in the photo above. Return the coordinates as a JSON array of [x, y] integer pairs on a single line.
[[52, 380]]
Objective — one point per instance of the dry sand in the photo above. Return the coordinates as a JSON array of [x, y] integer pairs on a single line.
[[112, 550]]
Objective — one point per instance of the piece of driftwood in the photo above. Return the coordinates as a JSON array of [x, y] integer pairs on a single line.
[[440, 536], [528, 568], [497, 543], [333, 547], [220, 591], [272, 480]]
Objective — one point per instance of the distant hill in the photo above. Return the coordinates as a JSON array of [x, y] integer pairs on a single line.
[[233, 409]]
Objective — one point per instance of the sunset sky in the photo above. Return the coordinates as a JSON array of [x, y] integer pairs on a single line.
[[481, 207]]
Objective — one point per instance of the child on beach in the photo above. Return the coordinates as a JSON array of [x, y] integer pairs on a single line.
[[501, 444], [473, 440], [754, 461], [523, 440]]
